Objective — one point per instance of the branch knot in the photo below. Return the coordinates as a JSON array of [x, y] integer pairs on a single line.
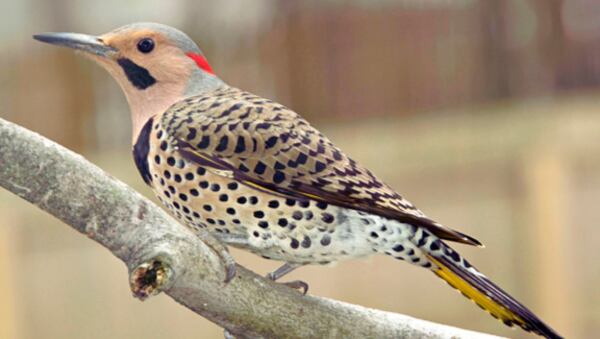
[[150, 278]]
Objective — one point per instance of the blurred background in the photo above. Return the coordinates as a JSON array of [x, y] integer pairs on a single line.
[[486, 114]]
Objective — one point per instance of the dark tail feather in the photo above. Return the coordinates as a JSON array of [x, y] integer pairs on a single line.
[[487, 295]]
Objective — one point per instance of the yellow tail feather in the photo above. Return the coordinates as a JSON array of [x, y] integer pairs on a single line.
[[497, 310]]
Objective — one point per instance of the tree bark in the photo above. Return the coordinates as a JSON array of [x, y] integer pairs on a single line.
[[164, 256]]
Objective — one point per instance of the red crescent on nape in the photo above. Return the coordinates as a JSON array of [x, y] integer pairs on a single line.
[[201, 62]]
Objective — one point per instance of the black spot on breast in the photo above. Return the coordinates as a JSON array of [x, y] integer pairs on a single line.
[[398, 248], [139, 77], [322, 205], [327, 218], [306, 242], [140, 152], [294, 243]]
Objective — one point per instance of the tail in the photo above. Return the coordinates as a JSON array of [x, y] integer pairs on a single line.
[[458, 273]]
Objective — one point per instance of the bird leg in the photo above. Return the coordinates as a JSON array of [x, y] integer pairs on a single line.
[[278, 273], [221, 251], [285, 269]]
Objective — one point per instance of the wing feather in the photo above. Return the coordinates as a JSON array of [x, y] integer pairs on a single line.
[[268, 147]]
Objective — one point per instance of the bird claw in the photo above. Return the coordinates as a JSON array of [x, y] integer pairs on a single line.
[[223, 253], [230, 267], [297, 285], [285, 269]]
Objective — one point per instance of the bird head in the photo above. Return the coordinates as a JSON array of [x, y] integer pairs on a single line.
[[155, 65]]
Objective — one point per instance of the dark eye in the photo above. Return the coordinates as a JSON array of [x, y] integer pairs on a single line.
[[145, 45]]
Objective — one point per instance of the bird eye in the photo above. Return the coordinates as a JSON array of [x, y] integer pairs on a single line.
[[145, 45]]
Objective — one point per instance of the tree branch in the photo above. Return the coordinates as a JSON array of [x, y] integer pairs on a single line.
[[163, 255]]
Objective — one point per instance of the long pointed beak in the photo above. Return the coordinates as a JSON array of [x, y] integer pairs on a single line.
[[83, 42]]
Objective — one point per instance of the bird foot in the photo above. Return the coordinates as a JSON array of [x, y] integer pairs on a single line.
[[221, 250], [297, 285], [285, 269]]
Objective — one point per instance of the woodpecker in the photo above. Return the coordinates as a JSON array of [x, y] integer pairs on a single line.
[[259, 177]]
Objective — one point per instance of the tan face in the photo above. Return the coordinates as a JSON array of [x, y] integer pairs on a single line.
[[166, 63], [154, 64]]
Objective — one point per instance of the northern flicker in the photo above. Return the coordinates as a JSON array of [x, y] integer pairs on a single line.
[[259, 177]]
